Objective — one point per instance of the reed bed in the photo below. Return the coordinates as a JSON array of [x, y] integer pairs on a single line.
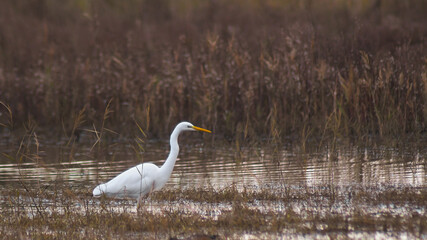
[[245, 69]]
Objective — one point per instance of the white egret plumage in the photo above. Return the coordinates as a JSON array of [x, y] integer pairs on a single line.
[[146, 177]]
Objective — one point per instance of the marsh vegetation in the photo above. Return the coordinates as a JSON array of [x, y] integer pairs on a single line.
[[325, 211], [247, 69]]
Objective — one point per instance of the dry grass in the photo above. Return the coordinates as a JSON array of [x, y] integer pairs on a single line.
[[225, 212], [242, 68]]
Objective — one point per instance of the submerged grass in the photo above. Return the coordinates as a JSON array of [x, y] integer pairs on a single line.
[[245, 69], [305, 210]]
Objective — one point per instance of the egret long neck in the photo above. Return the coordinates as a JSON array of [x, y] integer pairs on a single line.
[[173, 154]]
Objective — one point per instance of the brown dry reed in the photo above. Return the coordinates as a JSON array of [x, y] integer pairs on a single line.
[[244, 69]]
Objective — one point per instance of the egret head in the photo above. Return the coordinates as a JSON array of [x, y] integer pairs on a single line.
[[186, 126]]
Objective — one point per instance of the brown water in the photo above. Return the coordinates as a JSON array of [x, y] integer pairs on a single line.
[[205, 165]]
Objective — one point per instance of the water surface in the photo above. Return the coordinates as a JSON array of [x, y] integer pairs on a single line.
[[206, 165]]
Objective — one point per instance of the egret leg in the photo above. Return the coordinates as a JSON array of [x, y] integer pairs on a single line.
[[140, 202], [142, 198], [148, 198]]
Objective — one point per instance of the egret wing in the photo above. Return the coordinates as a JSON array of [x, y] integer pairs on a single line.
[[133, 182]]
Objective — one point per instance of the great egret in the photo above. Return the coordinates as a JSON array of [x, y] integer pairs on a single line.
[[147, 177]]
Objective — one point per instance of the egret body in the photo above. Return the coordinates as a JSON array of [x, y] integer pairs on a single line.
[[147, 177]]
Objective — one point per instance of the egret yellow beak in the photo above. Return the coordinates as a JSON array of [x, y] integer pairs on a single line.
[[201, 129]]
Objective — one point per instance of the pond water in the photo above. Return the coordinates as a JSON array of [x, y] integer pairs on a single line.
[[217, 165]]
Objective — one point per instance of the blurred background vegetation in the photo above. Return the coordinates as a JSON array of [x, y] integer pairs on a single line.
[[247, 69]]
